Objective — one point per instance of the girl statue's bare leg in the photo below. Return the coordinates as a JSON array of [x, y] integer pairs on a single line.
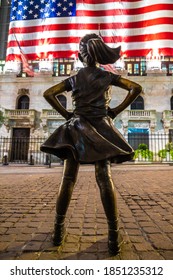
[[108, 197], [70, 172]]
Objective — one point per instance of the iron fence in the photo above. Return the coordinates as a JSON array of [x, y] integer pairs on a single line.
[[155, 147], [26, 150]]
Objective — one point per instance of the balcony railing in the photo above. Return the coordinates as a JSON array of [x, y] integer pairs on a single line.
[[19, 113], [142, 114]]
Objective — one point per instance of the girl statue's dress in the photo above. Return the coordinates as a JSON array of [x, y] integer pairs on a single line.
[[89, 135]]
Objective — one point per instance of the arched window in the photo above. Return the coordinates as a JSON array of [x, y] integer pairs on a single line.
[[138, 104], [172, 103], [23, 102], [63, 100]]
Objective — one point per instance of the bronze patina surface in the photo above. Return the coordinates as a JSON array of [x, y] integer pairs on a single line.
[[89, 135]]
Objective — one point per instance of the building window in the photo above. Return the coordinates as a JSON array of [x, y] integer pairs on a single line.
[[172, 103], [135, 66], [34, 65], [63, 100], [63, 67], [168, 67], [138, 104], [23, 102]]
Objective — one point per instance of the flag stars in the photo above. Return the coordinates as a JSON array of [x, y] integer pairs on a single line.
[[34, 9], [19, 12]]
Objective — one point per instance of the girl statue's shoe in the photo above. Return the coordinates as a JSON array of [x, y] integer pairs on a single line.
[[114, 239], [114, 242], [59, 230]]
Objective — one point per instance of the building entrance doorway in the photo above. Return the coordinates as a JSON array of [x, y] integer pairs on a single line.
[[20, 144], [138, 136]]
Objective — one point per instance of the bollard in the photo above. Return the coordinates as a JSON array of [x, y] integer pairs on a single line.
[[31, 161], [5, 160], [48, 160]]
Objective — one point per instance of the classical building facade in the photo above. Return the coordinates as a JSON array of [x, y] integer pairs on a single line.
[[28, 115]]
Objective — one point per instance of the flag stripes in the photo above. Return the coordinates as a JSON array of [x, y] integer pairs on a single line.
[[138, 26]]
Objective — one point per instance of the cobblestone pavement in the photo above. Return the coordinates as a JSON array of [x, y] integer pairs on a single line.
[[27, 199]]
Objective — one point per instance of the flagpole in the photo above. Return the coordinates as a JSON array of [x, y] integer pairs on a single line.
[[25, 68], [21, 71]]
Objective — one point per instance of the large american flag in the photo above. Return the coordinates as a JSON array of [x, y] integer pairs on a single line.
[[53, 28]]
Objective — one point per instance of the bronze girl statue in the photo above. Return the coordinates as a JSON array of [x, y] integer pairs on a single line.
[[89, 135]]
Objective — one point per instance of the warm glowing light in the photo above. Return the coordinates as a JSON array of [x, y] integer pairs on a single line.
[[154, 60], [46, 65], [12, 66]]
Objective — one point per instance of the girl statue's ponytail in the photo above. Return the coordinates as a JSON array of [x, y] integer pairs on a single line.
[[93, 50]]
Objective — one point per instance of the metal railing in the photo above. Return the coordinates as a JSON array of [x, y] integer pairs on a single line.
[[26, 150], [155, 147]]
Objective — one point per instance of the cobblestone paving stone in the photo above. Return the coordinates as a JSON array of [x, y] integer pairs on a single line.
[[27, 199]]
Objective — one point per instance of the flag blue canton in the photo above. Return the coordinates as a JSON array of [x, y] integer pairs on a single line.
[[36, 9]]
